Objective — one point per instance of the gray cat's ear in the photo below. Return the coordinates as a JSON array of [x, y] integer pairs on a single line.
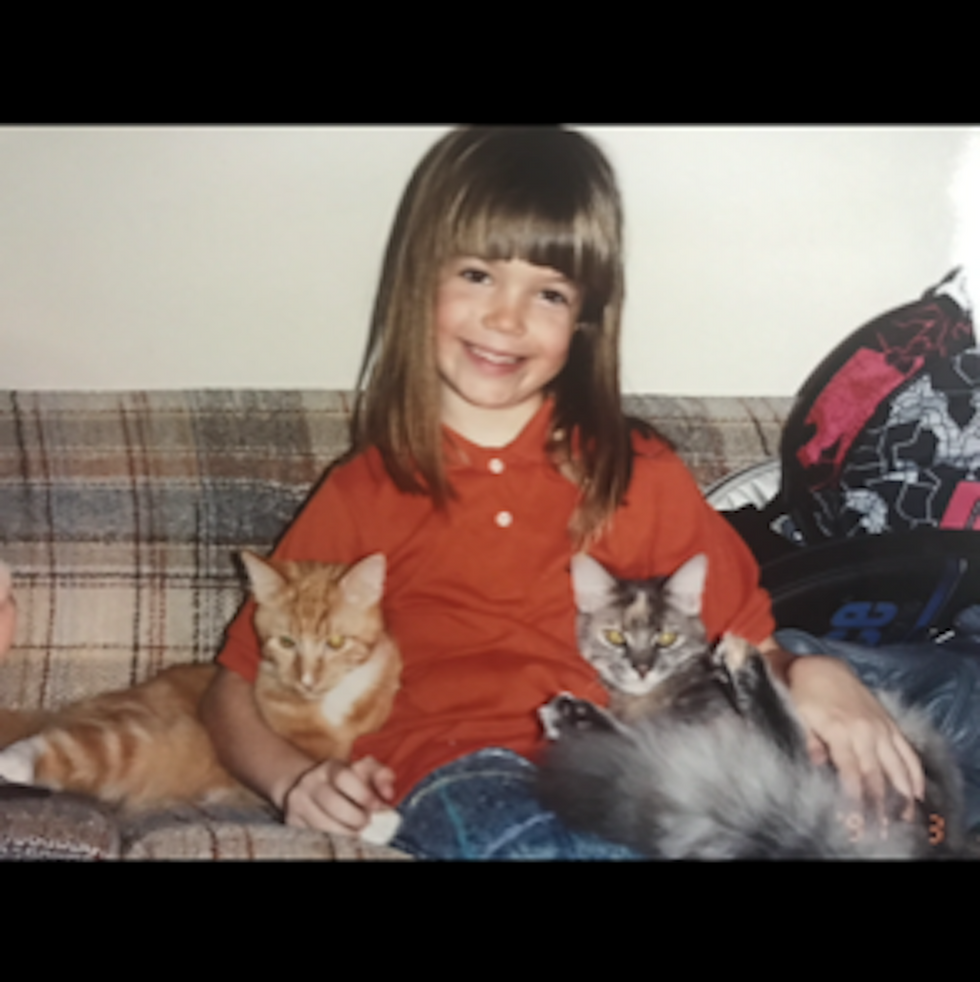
[[265, 580], [364, 583], [686, 587], [591, 584]]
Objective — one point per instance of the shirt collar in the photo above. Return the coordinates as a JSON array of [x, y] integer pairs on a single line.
[[527, 447]]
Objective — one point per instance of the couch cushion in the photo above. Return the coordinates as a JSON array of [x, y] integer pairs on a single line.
[[213, 834], [40, 824], [716, 435]]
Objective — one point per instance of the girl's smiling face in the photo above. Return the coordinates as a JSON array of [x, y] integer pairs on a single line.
[[502, 333]]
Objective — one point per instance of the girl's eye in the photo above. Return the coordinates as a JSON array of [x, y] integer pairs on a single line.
[[666, 638], [335, 641], [555, 297], [615, 637], [474, 275]]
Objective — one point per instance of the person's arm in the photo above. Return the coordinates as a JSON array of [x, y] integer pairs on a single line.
[[330, 796], [8, 610], [848, 726]]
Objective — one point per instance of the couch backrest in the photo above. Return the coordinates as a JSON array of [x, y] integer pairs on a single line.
[[121, 513]]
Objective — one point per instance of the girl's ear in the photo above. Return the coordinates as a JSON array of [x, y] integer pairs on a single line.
[[592, 585], [265, 580], [363, 584], [685, 588]]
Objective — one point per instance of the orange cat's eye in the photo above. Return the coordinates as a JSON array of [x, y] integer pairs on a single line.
[[615, 637], [285, 641], [335, 641], [666, 638]]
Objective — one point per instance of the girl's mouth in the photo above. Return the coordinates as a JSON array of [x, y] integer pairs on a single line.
[[496, 358]]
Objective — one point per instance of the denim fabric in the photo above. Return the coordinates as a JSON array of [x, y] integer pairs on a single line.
[[483, 806], [941, 680]]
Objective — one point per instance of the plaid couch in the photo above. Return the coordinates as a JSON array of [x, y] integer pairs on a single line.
[[119, 516]]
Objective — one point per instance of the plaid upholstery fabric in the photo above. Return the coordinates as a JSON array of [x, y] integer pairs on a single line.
[[198, 833], [716, 435], [121, 513]]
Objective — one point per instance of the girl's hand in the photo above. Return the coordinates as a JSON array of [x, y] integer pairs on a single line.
[[337, 797], [849, 727]]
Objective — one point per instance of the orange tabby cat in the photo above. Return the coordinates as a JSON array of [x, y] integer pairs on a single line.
[[329, 674]]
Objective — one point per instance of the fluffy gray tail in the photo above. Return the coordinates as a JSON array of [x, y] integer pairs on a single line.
[[712, 790]]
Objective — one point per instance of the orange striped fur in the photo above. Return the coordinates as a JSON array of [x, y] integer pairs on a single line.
[[329, 674]]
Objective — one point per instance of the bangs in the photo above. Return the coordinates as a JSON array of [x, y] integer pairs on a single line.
[[532, 200], [561, 246]]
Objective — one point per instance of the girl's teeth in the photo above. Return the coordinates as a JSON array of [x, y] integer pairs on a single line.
[[495, 358]]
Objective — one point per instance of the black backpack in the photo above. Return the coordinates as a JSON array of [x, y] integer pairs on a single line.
[[880, 478], [884, 435]]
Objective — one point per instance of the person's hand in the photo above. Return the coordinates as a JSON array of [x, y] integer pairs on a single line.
[[8, 610], [338, 797], [848, 726]]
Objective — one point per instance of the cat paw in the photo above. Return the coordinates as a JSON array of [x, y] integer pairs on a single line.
[[565, 712], [381, 827], [17, 761], [733, 652], [554, 714]]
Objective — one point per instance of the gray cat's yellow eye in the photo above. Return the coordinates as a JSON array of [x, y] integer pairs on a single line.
[[666, 638], [285, 641], [615, 637], [335, 641]]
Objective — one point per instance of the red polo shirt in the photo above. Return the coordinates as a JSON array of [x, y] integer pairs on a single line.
[[479, 597]]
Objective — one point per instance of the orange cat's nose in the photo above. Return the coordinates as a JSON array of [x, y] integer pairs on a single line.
[[303, 675], [309, 677]]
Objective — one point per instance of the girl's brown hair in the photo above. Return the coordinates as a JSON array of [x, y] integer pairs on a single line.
[[544, 195]]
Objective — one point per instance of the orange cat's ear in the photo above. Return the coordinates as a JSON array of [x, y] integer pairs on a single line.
[[364, 582], [265, 580]]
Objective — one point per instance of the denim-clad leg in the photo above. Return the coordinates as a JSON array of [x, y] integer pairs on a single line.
[[942, 680], [483, 806]]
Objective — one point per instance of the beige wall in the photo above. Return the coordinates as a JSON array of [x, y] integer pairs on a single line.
[[213, 257]]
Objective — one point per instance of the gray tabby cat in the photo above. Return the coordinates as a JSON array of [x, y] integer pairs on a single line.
[[702, 755]]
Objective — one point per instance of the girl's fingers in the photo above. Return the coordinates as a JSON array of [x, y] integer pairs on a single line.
[[319, 800], [338, 797], [870, 759], [377, 777]]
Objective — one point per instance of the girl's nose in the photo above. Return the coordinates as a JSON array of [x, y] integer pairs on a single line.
[[506, 316]]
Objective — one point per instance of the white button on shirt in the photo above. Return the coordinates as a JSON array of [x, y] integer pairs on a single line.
[[496, 465], [504, 519]]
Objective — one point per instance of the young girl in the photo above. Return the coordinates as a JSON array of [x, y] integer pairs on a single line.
[[488, 444]]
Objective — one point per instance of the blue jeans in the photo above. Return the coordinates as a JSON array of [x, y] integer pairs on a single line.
[[941, 680], [483, 806]]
